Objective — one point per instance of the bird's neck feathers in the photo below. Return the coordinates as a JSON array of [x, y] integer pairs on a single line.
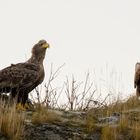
[[38, 59]]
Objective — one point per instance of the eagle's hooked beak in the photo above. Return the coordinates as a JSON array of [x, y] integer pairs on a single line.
[[45, 45]]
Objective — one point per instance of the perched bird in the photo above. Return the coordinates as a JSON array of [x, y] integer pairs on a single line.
[[137, 79], [20, 79]]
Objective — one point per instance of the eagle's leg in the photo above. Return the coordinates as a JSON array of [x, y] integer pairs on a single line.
[[27, 103], [14, 95], [22, 102]]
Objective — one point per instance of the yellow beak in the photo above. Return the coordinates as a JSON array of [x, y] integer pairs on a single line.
[[46, 45]]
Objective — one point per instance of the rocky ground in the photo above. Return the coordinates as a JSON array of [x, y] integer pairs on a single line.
[[73, 126], [54, 132]]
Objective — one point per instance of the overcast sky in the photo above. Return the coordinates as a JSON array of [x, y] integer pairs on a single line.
[[86, 35]]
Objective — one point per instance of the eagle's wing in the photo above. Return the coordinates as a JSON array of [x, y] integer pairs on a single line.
[[18, 75], [137, 74]]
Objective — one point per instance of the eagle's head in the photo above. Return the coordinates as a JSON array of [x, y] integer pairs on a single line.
[[40, 47], [38, 51]]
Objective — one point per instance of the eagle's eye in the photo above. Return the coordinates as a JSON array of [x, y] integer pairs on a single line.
[[41, 44]]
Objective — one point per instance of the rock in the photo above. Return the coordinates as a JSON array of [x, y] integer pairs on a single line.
[[94, 136], [2, 137], [52, 132], [113, 119]]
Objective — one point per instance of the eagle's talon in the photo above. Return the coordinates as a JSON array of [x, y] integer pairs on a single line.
[[20, 107]]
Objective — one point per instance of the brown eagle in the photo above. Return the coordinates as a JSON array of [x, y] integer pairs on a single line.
[[137, 79], [20, 79]]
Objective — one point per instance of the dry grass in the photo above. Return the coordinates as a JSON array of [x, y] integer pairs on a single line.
[[123, 125], [123, 131], [136, 132], [91, 123], [11, 122], [109, 133], [120, 106], [129, 125], [114, 132], [42, 115]]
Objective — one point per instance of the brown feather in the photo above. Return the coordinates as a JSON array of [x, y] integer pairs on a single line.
[[22, 78], [137, 79]]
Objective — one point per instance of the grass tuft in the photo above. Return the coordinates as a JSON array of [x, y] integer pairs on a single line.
[[43, 115], [91, 123], [109, 133], [11, 122]]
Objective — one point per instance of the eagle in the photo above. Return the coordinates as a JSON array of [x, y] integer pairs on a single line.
[[21, 78], [137, 79]]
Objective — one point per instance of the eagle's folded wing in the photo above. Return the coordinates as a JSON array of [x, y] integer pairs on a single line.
[[17, 75]]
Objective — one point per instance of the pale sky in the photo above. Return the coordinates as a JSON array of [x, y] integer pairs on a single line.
[[86, 35]]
